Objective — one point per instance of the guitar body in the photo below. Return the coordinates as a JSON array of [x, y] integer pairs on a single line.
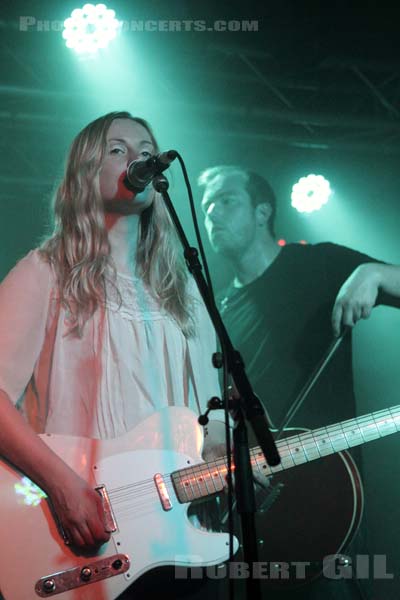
[[152, 473], [148, 535]]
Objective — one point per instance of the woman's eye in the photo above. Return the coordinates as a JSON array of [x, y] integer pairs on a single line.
[[146, 154], [116, 150]]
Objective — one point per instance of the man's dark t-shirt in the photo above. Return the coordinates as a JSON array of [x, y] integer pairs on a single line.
[[281, 325]]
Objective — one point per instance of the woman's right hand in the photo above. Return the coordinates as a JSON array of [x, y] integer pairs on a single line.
[[79, 509]]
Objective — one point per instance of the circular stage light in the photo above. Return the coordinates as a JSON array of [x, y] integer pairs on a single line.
[[310, 193], [90, 28]]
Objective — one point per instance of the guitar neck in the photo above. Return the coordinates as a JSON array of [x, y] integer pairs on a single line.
[[209, 478]]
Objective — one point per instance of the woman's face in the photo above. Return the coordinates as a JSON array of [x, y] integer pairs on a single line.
[[126, 141]]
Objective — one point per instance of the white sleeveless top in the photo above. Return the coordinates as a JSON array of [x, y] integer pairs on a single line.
[[132, 359]]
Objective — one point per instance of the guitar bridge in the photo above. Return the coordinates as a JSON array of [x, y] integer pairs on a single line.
[[110, 522]]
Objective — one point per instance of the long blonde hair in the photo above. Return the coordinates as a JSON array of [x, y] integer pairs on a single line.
[[79, 250]]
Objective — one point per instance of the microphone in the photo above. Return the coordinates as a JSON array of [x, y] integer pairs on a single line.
[[140, 172]]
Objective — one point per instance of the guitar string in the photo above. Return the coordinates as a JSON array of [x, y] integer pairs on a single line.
[[307, 441], [201, 488], [198, 474], [333, 434], [139, 509], [132, 505], [192, 493], [201, 468], [302, 440]]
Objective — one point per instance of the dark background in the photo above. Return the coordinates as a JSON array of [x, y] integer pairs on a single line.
[[315, 90]]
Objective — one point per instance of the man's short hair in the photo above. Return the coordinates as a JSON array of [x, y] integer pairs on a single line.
[[256, 186]]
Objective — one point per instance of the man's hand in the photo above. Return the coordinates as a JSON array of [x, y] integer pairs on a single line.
[[356, 298]]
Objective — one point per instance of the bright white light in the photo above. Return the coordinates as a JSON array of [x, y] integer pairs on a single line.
[[30, 493], [90, 28], [310, 193]]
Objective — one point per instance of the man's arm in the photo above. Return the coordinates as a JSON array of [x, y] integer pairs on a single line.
[[359, 293]]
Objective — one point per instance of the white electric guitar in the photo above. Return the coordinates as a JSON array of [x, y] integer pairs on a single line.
[[147, 479]]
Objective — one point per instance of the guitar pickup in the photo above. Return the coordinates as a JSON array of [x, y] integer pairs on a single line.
[[110, 522], [162, 491]]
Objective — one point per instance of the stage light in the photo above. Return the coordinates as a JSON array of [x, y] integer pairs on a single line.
[[310, 193], [90, 28]]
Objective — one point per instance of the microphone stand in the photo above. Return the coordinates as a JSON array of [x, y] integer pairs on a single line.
[[246, 408]]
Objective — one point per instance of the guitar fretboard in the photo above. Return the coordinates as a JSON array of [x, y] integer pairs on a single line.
[[199, 481]]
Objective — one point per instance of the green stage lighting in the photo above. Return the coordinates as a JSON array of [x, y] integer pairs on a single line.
[[310, 193], [90, 28]]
